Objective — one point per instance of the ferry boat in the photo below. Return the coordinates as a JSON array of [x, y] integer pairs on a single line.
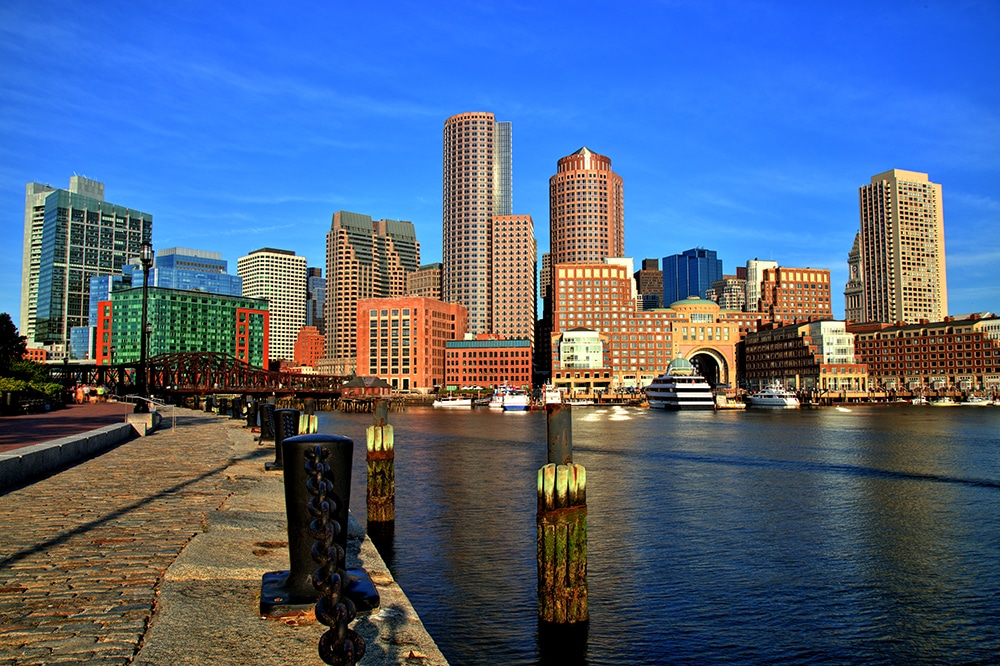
[[773, 396], [453, 402], [680, 387], [551, 395]]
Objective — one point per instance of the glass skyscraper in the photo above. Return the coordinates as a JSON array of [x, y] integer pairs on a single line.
[[690, 273]]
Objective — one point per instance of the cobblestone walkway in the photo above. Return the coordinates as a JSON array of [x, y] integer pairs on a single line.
[[82, 552]]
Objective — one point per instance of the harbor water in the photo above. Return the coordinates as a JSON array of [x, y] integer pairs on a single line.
[[766, 536]]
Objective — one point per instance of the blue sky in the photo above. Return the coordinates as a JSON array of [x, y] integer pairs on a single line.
[[743, 127]]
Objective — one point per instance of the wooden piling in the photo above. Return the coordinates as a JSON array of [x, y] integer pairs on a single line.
[[562, 527], [381, 474]]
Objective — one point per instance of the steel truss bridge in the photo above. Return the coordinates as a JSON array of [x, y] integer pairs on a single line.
[[184, 374]]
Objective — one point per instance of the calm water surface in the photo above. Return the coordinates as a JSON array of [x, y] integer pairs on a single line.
[[806, 536]]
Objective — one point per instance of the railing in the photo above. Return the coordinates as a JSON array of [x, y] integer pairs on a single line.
[[130, 399]]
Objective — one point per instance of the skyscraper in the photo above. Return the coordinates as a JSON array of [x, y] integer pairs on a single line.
[[69, 237], [586, 209], [364, 259], [476, 186], [690, 273], [755, 275], [279, 276], [514, 276], [901, 243], [316, 299]]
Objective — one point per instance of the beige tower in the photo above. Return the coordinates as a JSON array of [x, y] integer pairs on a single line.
[[476, 186], [514, 292], [280, 277], [901, 244]]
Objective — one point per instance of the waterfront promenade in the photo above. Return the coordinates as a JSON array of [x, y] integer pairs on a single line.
[[153, 552]]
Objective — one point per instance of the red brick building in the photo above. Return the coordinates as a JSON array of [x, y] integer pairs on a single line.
[[790, 295], [310, 346], [488, 361], [402, 340]]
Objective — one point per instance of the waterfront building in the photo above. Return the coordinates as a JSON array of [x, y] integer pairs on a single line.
[[365, 258], [402, 340], [425, 282], [957, 354], [70, 236], [729, 292], [316, 299], [815, 356], [310, 346], [795, 294], [279, 277], [901, 259], [488, 361], [690, 273], [649, 283], [476, 187], [514, 277], [754, 277], [187, 259], [586, 209], [186, 269], [182, 321], [638, 345]]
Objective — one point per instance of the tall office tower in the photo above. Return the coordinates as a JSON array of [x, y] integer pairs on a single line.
[[755, 275], [425, 282], [69, 237], [690, 273], [586, 209], [795, 294], [476, 186], [364, 259], [854, 291], [187, 270], [514, 276], [279, 276], [649, 282], [902, 258], [316, 299]]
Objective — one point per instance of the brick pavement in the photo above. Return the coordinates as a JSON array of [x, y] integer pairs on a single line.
[[83, 552], [27, 429]]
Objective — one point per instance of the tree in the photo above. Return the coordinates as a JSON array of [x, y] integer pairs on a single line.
[[12, 345]]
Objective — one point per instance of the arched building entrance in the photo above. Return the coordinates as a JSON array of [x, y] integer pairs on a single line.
[[711, 365]]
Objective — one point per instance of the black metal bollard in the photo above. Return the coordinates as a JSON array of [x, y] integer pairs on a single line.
[[286, 424], [294, 587], [266, 422], [209, 403], [237, 408], [309, 406], [251, 413]]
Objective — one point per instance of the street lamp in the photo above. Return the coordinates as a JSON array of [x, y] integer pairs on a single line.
[[146, 258]]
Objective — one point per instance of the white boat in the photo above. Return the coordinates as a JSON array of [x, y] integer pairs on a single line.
[[510, 399], [773, 396], [580, 402], [680, 387], [977, 401], [944, 401], [551, 395], [453, 402], [919, 400]]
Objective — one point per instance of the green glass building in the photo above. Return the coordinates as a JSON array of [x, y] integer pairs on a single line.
[[187, 321]]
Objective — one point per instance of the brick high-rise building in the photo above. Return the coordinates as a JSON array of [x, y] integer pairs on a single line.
[[364, 259], [279, 276], [476, 187], [795, 294], [649, 282], [586, 209], [901, 243], [514, 276]]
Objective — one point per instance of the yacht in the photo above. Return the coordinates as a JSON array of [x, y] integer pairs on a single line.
[[453, 402], [680, 387], [773, 396]]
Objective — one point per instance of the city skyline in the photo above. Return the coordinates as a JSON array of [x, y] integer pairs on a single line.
[[748, 130]]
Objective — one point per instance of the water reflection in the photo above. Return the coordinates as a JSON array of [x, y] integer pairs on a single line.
[[814, 535]]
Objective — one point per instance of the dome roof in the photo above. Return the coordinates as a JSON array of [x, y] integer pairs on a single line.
[[695, 303], [680, 366]]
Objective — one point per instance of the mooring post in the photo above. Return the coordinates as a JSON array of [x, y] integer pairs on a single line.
[[562, 526], [252, 412], [293, 591], [381, 476], [266, 422], [237, 408], [286, 425]]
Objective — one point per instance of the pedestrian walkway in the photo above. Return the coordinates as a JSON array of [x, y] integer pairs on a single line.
[[28, 429], [153, 552]]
